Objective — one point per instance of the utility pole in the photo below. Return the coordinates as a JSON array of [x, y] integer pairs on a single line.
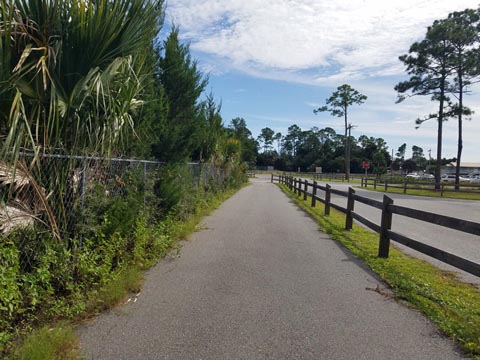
[[347, 168], [391, 166]]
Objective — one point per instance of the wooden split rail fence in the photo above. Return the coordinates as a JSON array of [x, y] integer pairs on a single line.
[[301, 187], [413, 185]]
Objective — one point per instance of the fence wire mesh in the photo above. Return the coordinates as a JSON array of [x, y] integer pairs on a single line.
[[59, 195]]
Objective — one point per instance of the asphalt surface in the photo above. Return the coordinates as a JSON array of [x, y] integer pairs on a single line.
[[261, 282], [453, 241]]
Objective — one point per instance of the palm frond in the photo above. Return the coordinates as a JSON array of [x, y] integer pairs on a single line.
[[14, 217]]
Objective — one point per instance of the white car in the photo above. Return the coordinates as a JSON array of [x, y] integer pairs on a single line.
[[474, 178], [413, 176], [451, 178]]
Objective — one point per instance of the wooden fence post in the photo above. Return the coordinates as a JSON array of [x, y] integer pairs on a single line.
[[375, 184], [441, 189], [314, 194], [386, 184], [405, 186], [386, 225], [350, 208], [327, 199], [272, 177], [306, 190]]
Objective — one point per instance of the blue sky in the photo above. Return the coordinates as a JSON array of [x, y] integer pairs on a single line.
[[273, 61]]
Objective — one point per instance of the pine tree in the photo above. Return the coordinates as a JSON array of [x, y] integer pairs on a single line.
[[183, 84]]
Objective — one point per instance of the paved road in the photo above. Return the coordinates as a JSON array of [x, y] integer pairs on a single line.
[[456, 242], [261, 282]]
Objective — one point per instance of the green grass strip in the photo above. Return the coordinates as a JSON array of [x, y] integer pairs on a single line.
[[59, 342], [429, 193], [452, 305]]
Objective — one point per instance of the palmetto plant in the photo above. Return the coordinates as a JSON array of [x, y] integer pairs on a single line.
[[72, 70], [71, 73], [27, 200]]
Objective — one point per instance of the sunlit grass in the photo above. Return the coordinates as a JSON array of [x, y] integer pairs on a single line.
[[49, 343], [452, 305]]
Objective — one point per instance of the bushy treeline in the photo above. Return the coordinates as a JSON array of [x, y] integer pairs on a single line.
[[92, 79], [308, 149], [325, 148]]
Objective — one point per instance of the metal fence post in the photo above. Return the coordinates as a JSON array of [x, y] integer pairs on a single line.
[[145, 183], [83, 182], [327, 199], [350, 208], [386, 225], [314, 193]]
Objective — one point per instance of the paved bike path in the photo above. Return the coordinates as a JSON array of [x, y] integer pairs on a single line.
[[259, 281]]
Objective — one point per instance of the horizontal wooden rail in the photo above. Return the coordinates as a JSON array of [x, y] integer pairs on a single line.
[[318, 198], [446, 257], [442, 220], [339, 208], [339, 192], [301, 187], [368, 201], [366, 222]]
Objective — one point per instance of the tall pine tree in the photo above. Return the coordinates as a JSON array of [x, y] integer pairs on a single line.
[[183, 84]]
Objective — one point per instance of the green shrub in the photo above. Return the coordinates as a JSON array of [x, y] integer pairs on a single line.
[[169, 190], [10, 290], [43, 278]]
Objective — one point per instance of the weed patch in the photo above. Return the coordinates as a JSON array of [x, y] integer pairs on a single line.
[[60, 283], [59, 342]]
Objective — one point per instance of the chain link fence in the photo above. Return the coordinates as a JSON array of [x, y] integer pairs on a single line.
[[68, 196]]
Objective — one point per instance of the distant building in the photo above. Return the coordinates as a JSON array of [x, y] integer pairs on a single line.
[[465, 168]]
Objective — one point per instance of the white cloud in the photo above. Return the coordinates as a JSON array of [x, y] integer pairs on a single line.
[[326, 43], [352, 39]]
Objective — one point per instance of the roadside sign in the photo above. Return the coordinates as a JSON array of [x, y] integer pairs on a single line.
[[366, 165]]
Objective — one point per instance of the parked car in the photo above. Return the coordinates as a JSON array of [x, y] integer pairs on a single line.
[[451, 178], [474, 178], [413, 176], [420, 176]]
